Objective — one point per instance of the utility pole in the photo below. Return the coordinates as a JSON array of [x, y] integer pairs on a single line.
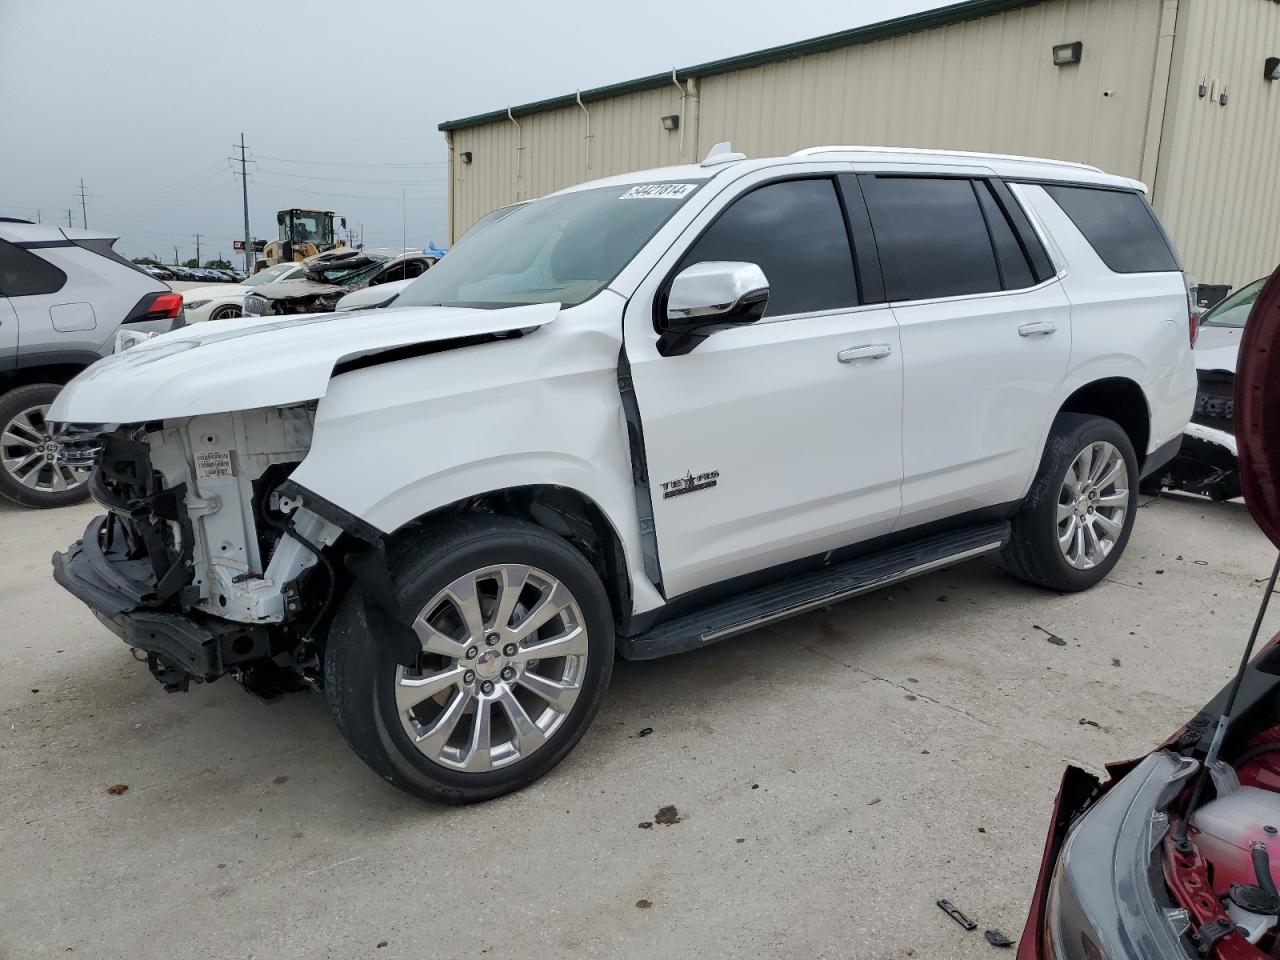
[[38, 220], [244, 187], [84, 217], [175, 254], [198, 236], [68, 216]]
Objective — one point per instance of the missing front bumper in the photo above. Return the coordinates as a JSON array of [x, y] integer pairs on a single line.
[[179, 648]]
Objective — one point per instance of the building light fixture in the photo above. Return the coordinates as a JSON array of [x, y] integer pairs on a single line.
[[671, 121], [1067, 53]]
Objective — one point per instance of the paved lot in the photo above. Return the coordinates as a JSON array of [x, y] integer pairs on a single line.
[[835, 775]]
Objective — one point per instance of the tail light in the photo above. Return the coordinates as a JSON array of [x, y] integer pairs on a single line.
[[157, 306]]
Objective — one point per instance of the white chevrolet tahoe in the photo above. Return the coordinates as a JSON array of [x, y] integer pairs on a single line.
[[635, 417]]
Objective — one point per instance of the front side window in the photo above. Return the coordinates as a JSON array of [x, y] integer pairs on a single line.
[[932, 237], [1120, 226], [795, 232], [23, 274], [560, 249]]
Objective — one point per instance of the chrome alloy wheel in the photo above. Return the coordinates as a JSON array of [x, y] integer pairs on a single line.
[[1092, 505], [510, 637], [31, 454]]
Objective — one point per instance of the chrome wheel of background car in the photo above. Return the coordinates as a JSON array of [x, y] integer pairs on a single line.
[[1092, 505], [31, 454], [504, 654], [225, 313]]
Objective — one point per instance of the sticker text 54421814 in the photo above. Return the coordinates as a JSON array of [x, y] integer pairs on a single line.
[[659, 191]]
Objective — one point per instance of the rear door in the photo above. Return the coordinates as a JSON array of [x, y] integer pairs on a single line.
[[986, 338], [779, 440]]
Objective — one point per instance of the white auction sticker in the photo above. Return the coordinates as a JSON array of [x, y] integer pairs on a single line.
[[212, 464], [659, 191]]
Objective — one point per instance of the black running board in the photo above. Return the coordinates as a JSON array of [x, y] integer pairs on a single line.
[[811, 591]]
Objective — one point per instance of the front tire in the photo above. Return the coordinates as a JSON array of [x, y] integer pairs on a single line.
[[226, 312], [1076, 519], [32, 473], [507, 662]]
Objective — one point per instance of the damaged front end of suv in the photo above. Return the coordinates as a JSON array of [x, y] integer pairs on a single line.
[[209, 560], [203, 563]]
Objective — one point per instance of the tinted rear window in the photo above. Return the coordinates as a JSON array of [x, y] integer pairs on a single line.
[[1120, 227], [932, 237]]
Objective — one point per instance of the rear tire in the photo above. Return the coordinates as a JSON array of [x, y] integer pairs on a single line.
[[502, 710], [1074, 523], [27, 476]]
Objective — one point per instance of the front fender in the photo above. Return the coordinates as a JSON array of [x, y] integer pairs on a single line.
[[396, 441]]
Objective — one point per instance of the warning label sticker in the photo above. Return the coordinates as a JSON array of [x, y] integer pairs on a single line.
[[212, 464], [659, 191]]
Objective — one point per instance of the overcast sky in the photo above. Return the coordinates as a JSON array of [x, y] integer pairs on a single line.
[[338, 100]]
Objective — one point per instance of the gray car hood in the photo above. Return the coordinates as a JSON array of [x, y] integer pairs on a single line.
[[255, 362]]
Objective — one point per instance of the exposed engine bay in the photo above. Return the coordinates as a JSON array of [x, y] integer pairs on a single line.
[[203, 547], [1225, 873]]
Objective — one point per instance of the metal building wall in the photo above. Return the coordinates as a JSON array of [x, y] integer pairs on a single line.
[[984, 84], [987, 85], [536, 154], [1216, 186]]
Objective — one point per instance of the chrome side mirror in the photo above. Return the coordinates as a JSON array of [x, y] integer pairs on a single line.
[[711, 296]]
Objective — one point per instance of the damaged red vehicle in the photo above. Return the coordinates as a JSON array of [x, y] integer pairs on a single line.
[[1177, 855]]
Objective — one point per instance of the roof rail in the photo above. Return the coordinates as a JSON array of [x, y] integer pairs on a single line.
[[966, 154]]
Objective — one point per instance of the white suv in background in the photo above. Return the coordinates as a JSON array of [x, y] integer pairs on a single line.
[[637, 416]]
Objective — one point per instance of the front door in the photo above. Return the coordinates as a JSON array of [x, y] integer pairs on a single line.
[[779, 440]]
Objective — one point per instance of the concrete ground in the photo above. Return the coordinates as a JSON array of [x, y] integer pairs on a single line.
[[834, 776]]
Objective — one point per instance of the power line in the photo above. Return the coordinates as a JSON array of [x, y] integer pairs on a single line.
[[308, 176], [360, 196], [353, 163]]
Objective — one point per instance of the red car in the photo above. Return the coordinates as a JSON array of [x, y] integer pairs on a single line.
[[1173, 856]]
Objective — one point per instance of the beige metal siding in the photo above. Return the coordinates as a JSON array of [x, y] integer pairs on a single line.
[[987, 85], [1217, 189], [548, 151]]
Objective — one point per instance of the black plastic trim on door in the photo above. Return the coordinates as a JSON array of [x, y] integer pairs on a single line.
[[866, 256], [639, 473], [1041, 266]]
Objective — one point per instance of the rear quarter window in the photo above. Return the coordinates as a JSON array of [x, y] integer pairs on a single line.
[[24, 274], [1120, 226]]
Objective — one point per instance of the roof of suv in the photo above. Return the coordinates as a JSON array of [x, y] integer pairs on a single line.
[[899, 158], [19, 232]]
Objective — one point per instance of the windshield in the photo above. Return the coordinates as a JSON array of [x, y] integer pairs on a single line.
[[343, 275], [308, 227], [1234, 311], [561, 249], [271, 273]]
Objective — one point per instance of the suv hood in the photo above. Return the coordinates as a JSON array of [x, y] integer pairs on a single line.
[[1257, 409], [262, 361]]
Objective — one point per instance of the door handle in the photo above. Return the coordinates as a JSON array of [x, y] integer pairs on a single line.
[[1039, 329], [872, 351]]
